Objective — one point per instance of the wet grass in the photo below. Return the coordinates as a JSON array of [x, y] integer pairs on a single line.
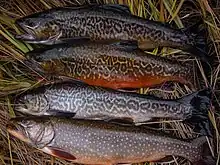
[[16, 77]]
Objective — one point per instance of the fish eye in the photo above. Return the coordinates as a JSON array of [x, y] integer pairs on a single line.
[[55, 27], [32, 24]]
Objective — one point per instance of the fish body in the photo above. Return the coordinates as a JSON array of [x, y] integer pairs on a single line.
[[97, 142], [105, 22], [89, 102], [110, 65]]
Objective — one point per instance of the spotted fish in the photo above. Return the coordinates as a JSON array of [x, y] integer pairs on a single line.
[[89, 102], [109, 22], [98, 142], [116, 66]]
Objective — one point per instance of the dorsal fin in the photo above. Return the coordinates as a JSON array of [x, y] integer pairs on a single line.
[[111, 7], [123, 9]]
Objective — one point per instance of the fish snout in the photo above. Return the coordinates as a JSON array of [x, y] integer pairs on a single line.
[[28, 33], [25, 37], [15, 130]]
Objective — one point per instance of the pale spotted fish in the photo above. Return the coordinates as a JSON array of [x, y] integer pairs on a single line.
[[109, 22], [116, 66], [98, 142], [89, 102]]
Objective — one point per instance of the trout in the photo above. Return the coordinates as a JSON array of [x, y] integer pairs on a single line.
[[98, 142], [109, 22], [116, 66], [89, 102]]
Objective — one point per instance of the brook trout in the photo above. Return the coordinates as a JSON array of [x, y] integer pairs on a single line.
[[107, 22], [88, 102], [97, 142], [114, 66]]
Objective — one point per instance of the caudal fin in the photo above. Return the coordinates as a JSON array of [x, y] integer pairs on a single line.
[[201, 103], [204, 151], [207, 160], [199, 44], [199, 48]]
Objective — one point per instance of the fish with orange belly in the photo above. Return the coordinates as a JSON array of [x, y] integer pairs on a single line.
[[116, 66], [98, 142]]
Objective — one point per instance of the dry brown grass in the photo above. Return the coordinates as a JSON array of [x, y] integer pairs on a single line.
[[16, 77]]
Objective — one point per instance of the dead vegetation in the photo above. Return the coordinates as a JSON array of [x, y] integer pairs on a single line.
[[16, 77]]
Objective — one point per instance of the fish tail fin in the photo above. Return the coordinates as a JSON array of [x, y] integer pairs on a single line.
[[203, 150], [199, 47], [201, 103], [207, 160]]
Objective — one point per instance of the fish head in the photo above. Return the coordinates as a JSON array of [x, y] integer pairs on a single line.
[[39, 29], [33, 104], [32, 130]]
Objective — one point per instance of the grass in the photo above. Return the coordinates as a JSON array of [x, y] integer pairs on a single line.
[[16, 77]]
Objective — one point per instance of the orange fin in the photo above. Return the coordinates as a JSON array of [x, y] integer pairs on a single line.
[[58, 153]]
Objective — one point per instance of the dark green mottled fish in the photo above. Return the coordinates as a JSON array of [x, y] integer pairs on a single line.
[[97, 142], [105, 22], [115, 66], [89, 102]]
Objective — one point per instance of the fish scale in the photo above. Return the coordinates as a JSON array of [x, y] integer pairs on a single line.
[[88, 142]]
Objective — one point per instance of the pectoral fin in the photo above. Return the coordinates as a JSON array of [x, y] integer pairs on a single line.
[[60, 113], [120, 121], [59, 153]]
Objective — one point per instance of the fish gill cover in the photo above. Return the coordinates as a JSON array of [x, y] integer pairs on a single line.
[[17, 77]]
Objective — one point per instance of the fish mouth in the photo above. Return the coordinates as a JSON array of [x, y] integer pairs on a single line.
[[28, 35], [25, 37], [16, 131]]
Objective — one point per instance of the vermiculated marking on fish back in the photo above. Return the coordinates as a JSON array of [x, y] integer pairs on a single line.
[[98, 23], [101, 142], [99, 103], [93, 23]]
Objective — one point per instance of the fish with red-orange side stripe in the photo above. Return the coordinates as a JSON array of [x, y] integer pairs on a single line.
[[115, 66]]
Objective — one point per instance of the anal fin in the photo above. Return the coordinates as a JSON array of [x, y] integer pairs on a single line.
[[60, 113], [121, 121], [146, 45], [155, 157]]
